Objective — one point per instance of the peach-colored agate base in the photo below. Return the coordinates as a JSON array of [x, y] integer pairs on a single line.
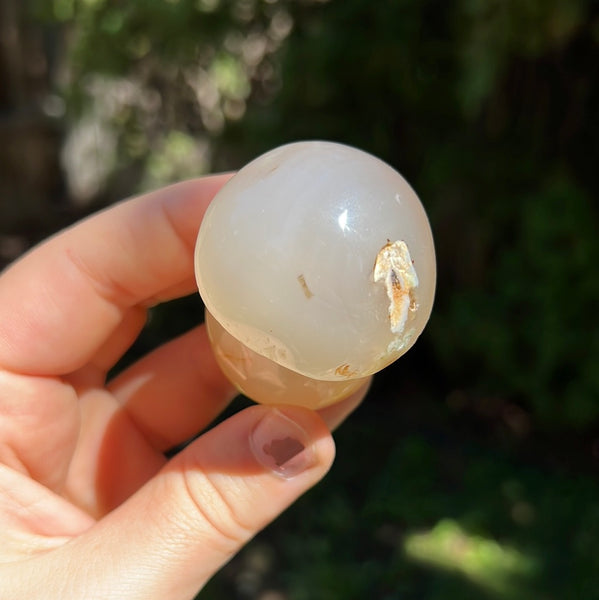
[[266, 382]]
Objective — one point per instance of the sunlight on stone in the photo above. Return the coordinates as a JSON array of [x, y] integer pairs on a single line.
[[492, 566]]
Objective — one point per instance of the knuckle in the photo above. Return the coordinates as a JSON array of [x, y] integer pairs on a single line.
[[216, 504]]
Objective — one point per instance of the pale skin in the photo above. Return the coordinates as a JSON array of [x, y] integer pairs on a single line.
[[89, 505]]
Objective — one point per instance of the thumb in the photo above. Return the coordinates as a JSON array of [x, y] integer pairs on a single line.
[[167, 540]]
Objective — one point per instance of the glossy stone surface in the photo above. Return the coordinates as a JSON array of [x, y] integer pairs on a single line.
[[287, 254]]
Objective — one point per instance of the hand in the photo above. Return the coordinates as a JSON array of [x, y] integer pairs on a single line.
[[89, 505]]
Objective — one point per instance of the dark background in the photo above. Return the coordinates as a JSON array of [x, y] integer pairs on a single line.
[[471, 470]]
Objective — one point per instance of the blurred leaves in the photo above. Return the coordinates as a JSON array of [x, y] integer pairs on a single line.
[[525, 327], [482, 561], [495, 31], [156, 67]]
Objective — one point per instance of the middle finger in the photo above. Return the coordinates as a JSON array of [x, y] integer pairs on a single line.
[[175, 391]]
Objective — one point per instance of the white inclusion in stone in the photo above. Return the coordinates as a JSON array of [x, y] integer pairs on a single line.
[[394, 268]]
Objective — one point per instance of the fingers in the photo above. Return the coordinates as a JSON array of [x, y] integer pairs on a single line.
[[175, 391], [179, 389], [39, 427], [157, 403], [73, 291], [167, 540], [33, 519], [120, 340]]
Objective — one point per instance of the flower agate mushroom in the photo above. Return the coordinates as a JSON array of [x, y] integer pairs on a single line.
[[317, 268]]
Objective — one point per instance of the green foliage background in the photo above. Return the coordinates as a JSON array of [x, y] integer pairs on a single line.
[[484, 439]]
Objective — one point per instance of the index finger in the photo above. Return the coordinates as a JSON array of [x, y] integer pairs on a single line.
[[64, 298]]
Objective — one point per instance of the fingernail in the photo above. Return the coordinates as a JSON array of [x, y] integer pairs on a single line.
[[281, 445]]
